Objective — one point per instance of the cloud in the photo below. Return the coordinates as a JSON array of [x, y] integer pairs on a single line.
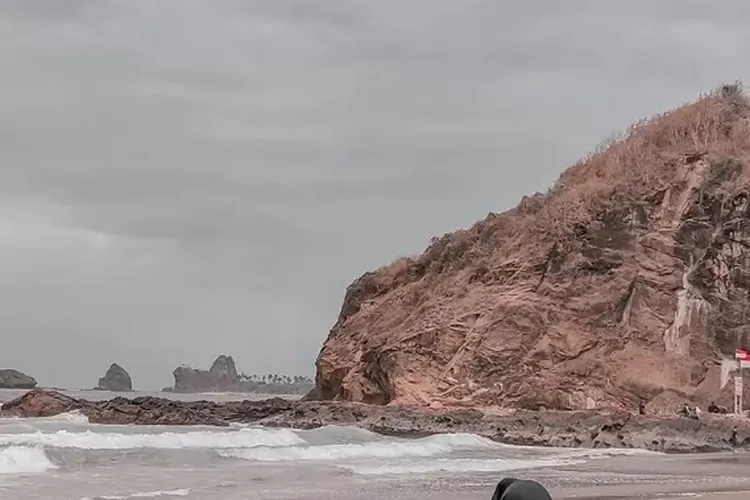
[[185, 178]]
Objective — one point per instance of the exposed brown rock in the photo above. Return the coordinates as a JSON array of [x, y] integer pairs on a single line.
[[116, 379], [630, 277], [591, 428], [13, 379], [145, 410], [40, 403]]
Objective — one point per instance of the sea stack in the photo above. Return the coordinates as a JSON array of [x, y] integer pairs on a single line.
[[222, 376], [116, 379], [628, 278], [14, 379]]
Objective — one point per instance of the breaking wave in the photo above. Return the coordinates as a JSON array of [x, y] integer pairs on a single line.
[[425, 447], [144, 494], [459, 465], [24, 460], [356, 450], [71, 417], [243, 438]]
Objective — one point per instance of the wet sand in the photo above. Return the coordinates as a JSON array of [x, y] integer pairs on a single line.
[[720, 476], [665, 477], [668, 477]]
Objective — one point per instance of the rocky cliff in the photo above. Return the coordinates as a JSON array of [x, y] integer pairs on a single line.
[[116, 379], [222, 376], [629, 278], [13, 379]]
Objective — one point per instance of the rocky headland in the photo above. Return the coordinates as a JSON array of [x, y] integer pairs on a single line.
[[626, 283], [583, 317], [117, 379], [14, 379]]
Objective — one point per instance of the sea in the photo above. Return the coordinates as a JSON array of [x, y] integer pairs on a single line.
[[67, 458]]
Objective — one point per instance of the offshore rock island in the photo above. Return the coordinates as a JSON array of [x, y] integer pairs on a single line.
[[627, 283], [117, 379], [583, 317], [223, 377]]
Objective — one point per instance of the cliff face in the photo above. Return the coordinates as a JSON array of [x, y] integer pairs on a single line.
[[628, 278]]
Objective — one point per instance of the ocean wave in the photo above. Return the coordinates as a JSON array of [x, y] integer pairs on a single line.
[[244, 438], [71, 417], [339, 434], [425, 447], [459, 465], [143, 494], [24, 460]]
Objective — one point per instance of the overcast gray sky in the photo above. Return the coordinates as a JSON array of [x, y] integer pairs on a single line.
[[183, 178]]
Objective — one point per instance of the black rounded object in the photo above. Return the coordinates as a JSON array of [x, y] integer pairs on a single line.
[[511, 488]]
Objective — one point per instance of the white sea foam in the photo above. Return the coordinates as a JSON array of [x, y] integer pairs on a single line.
[[72, 417], [458, 465], [151, 494], [244, 438], [143, 494], [553, 457], [607, 452], [24, 460], [426, 447]]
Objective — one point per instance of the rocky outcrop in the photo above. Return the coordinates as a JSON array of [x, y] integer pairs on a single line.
[[143, 410], [13, 379], [592, 428], [116, 379], [222, 376], [630, 277]]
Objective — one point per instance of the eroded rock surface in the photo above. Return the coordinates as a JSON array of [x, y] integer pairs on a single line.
[[629, 278]]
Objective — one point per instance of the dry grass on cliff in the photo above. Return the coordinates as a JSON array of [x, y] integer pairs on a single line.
[[646, 159], [622, 171]]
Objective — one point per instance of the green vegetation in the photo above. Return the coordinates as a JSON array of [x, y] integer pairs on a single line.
[[273, 378]]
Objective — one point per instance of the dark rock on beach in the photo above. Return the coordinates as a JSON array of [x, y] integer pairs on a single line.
[[588, 429]]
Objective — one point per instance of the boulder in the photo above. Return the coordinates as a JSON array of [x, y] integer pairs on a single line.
[[116, 379], [13, 379], [41, 403]]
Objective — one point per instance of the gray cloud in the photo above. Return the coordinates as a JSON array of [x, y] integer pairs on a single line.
[[184, 178]]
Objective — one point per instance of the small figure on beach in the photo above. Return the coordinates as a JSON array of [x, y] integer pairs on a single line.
[[688, 412], [714, 408], [511, 488]]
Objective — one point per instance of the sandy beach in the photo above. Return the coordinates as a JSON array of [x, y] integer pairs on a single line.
[[719, 476]]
